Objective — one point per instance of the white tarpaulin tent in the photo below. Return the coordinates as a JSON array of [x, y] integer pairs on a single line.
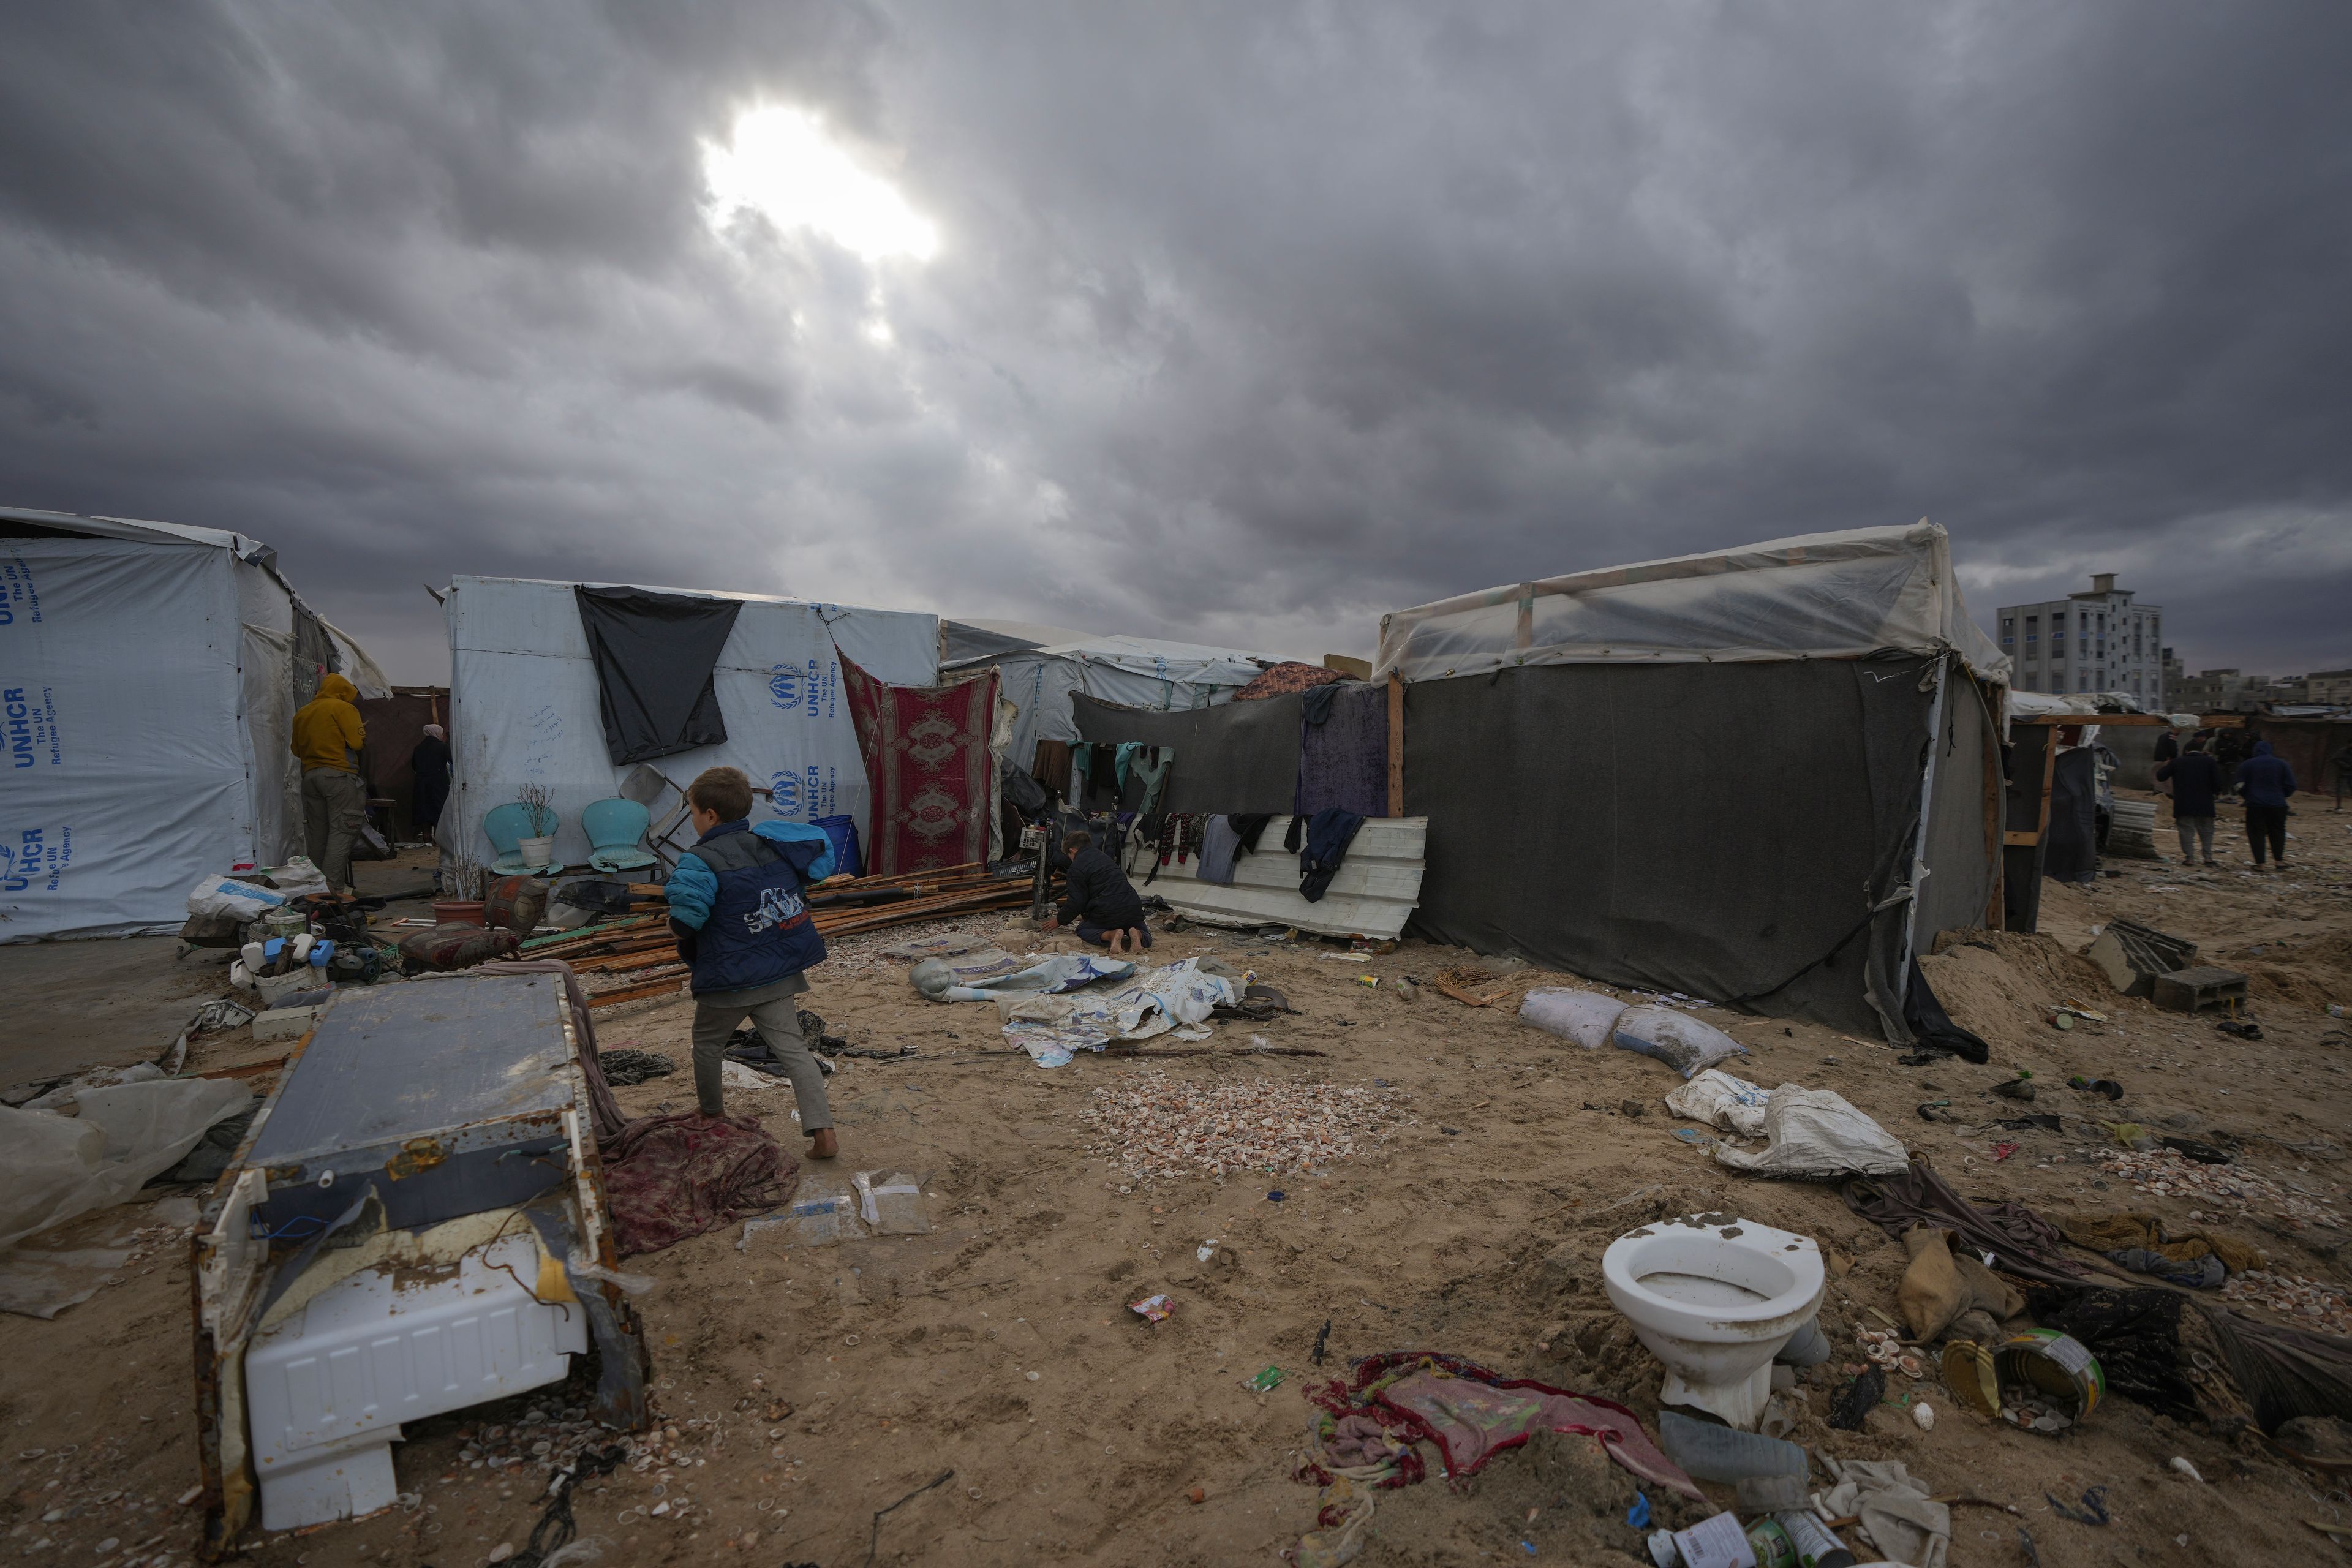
[[1820, 596], [148, 674], [523, 704], [1134, 672]]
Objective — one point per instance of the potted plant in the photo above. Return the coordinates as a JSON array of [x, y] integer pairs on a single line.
[[460, 902], [539, 849]]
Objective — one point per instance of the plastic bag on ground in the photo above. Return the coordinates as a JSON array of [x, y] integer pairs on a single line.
[[54, 1167], [1726, 1103], [1817, 1135], [227, 896], [1585, 1017], [1684, 1043], [1050, 1028]]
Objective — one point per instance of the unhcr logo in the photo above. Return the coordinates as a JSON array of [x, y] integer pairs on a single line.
[[16, 715], [785, 686], [787, 788]]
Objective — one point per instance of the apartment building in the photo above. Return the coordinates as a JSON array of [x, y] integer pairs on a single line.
[[2100, 640]]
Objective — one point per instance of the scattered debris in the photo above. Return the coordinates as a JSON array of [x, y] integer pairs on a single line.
[[2165, 1173], [2307, 1303]]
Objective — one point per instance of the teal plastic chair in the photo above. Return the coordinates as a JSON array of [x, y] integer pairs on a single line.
[[614, 827], [505, 827]]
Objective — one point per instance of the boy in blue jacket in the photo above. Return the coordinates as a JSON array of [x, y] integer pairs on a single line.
[[735, 905]]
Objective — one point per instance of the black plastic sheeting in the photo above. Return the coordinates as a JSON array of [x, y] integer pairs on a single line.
[[2071, 843], [1725, 830], [654, 655], [1237, 757]]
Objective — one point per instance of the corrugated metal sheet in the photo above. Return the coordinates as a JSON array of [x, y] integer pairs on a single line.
[[1372, 895]]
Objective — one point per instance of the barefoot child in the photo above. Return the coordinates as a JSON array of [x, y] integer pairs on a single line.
[[735, 905], [1100, 900]]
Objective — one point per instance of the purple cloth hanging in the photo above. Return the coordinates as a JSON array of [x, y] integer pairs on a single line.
[[1344, 761]]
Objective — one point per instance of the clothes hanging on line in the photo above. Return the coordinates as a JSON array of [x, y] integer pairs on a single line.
[[1327, 837], [1219, 843], [1246, 829]]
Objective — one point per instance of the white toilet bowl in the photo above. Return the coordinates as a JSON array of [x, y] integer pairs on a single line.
[[1714, 1298]]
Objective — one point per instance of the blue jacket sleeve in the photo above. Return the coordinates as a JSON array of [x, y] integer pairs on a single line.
[[691, 887], [806, 847]]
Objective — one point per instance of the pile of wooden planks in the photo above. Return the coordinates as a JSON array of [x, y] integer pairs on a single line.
[[635, 955]]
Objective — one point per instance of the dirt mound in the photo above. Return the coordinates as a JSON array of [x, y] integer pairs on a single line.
[[2002, 984], [2299, 971]]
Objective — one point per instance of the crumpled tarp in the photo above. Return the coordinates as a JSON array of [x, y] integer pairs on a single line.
[[2114, 1232], [1469, 1414], [1052, 1028], [2022, 1243], [669, 1177], [981, 978], [1896, 1513], [53, 1167]]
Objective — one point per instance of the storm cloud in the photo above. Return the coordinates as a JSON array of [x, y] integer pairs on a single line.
[[1244, 324]]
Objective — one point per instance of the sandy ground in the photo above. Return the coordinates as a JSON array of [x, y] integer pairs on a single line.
[[1000, 1348]]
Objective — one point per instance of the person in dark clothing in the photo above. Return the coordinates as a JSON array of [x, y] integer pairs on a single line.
[[430, 763], [2265, 782], [1099, 901], [2168, 746], [2343, 765], [2195, 779]]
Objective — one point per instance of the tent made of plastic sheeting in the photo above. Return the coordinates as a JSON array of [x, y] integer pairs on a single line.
[[1134, 672], [1820, 596], [149, 675], [524, 705], [976, 642], [1768, 776]]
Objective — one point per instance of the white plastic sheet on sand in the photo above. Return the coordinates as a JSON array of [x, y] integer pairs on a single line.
[[1816, 1135], [1724, 1102], [1051, 1029], [53, 1167]]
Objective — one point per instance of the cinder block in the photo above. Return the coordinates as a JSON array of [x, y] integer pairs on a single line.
[[284, 1024]]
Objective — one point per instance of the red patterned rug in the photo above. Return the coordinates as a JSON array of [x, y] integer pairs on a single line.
[[926, 754]]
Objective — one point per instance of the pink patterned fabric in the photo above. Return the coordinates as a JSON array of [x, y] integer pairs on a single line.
[[926, 754]]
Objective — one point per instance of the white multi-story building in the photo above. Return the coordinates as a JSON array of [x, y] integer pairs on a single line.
[[2098, 641]]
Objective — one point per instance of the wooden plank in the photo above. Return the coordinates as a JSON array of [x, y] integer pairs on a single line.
[[2048, 772], [2017, 840], [2120, 719], [1396, 744]]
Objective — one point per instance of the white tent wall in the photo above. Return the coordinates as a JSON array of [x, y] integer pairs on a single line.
[[127, 771], [524, 705], [1134, 672], [266, 678]]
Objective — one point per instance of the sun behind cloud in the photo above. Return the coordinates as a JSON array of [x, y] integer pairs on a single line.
[[780, 163]]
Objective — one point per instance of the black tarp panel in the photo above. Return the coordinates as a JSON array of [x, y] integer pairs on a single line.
[[1959, 885], [1236, 757], [2021, 886], [1709, 828], [2069, 847], [654, 655]]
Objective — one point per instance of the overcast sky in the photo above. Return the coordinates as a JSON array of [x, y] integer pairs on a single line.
[[1239, 323]]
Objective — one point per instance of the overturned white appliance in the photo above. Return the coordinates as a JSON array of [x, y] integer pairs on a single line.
[[1714, 1298], [415, 1225]]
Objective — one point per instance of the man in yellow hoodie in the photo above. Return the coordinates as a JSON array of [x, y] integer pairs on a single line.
[[327, 736]]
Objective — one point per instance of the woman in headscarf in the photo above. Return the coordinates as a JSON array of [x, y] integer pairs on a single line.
[[430, 761]]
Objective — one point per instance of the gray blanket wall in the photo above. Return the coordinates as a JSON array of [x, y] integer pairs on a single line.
[[1709, 828], [1237, 757]]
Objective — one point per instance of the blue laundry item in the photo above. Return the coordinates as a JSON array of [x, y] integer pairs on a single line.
[[2204, 1273], [2264, 779], [847, 861], [1327, 837]]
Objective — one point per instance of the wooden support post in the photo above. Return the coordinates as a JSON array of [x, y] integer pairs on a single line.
[[1396, 744], [1994, 806]]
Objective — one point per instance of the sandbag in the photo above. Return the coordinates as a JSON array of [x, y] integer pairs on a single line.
[[1943, 1282], [1684, 1043], [235, 900], [1722, 1101], [1817, 1136], [1585, 1017], [457, 946]]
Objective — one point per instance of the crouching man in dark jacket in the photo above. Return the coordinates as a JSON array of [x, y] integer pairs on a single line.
[[1099, 901], [737, 909]]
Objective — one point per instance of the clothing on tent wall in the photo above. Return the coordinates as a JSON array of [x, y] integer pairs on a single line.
[[1327, 837], [927, 762], [654, 655], [1246, 829], [1051, 765], [1219, 843], [1343, 754], [1125, 754]]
